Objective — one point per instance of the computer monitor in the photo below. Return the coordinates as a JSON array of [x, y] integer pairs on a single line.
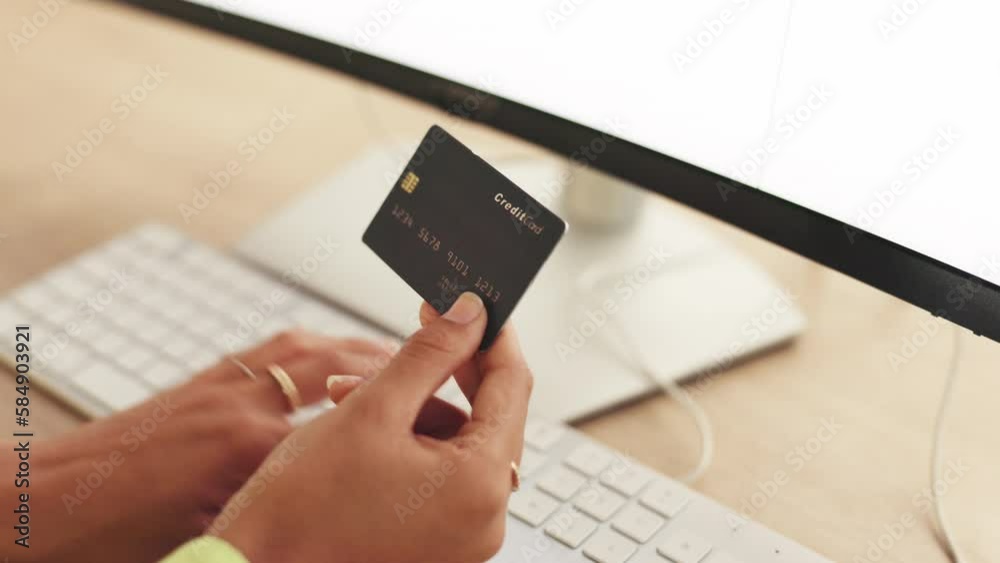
[[857, 134]]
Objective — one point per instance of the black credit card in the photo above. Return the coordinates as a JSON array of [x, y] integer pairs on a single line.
[[453, 223]]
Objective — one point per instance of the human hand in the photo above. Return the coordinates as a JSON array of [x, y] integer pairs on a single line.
[[438, 418], [370, 486], [133, 486]]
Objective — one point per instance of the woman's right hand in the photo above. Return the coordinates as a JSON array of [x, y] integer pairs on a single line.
[[370, 487]]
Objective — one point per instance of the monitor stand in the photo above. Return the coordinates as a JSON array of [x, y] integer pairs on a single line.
[[688, 303]]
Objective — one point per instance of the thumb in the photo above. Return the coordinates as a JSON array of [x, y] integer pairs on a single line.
[[430, 356]]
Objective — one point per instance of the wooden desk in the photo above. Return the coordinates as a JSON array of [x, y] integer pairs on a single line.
[[217, 91]]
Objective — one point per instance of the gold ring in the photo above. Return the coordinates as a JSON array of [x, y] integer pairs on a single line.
[[287, 385], [243, 367], [515, 476]]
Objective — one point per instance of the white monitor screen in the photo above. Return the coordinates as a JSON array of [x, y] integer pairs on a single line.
[[883, 115]]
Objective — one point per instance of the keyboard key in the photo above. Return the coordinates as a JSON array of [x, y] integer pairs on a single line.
[[111, 386], [205, 326], [71, 283], [156, 299], [109, 343], [561, 483], [682, 546], [153, 332], [543, 435], [531, 506], [626, 479], [219, 300], [225, 270], [97, 264], [228, 342], [71, 358], [530, 462], [133, 358], [570, 527], [266, 291], [665, 498], [589, 459], [87, 329], [599, 502], [314, 318], [608, 547], [719, 557], [201, 359], [310, 313], [180, 347], [130, 319], [186, 283], [168, 277], [249, 281], [58, 314], [179, 310], [637, 523], [319, 318], [164, 375]]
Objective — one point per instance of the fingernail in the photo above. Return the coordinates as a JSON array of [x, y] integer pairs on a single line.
[[466, 309], [337, 379]]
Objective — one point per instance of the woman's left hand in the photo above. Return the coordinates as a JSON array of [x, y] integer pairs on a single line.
[[135, 485]]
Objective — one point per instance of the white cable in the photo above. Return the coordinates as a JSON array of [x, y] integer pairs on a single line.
[[679, 394], [947, 537], [586, 284]]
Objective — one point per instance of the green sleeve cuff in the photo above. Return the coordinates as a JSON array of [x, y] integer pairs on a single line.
[[206, 549]]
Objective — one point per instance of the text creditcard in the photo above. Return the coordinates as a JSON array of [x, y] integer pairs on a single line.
[[453, 223]]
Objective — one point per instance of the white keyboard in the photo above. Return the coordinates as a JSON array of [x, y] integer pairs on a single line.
[[141, 313]]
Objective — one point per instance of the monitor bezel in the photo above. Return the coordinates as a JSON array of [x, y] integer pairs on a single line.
[[937, 287]]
